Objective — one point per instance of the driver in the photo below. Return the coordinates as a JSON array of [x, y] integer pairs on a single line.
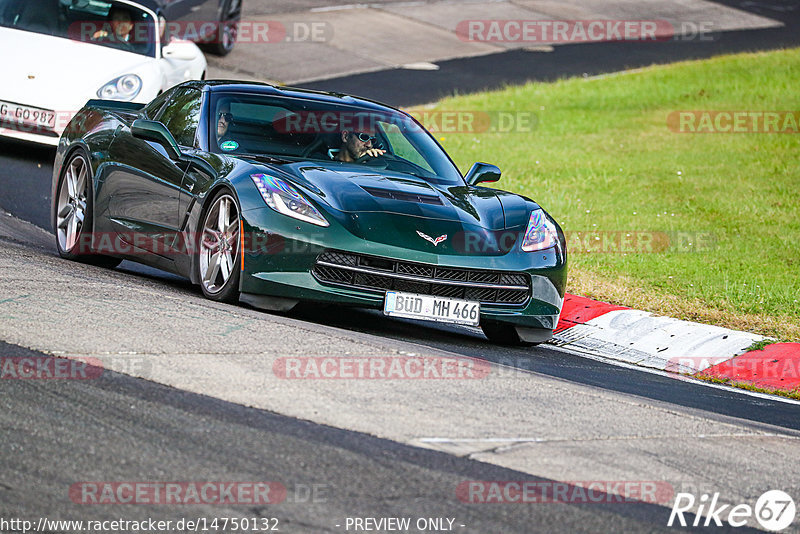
[[121, 25], [224, 119], [356, 145]]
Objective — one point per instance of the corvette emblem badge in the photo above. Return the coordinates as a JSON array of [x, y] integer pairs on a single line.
[[436, 241]]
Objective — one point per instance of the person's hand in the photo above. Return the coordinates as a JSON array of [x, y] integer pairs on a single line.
[[99, 34], [374, 152], [371, 155]]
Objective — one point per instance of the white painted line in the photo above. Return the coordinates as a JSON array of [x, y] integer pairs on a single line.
[[539, 48], [421, 65], [604, 438], [342, 7], [481, 440]]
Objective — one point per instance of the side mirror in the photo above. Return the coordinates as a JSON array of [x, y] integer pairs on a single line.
[[482, 172], [178, 50], [157, 133]]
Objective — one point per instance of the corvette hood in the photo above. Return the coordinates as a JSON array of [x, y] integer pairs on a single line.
[[397, 209], [56, 73], [372, 192]]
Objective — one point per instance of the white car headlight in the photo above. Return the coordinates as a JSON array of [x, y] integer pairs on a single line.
[[284, 198], [540, 234], [122, 88]]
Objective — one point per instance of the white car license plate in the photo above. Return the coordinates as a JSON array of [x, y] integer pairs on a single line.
[[430, 308], [26, 115]]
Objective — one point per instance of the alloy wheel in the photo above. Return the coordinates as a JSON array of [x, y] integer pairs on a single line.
[[72, 198], [219, 244]]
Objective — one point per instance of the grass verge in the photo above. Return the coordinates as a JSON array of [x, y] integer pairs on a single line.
[[704, 227], [792, 394]]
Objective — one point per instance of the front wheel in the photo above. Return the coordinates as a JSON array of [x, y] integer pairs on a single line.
[[219, 249], [73, 221]]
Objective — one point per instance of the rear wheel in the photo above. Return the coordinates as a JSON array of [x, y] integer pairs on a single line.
[[219, 249], [73, 222], [225, 37]]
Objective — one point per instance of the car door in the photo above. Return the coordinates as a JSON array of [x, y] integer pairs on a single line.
[[144, 183], [185, 63]]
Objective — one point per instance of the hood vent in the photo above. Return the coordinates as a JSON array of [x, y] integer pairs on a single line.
[[403, 195]]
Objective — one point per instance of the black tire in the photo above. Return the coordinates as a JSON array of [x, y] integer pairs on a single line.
[[503, 334], [222, 241], [74, 212], [224, 40]]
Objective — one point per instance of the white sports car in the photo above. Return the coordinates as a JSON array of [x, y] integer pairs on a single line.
[[61, 53]]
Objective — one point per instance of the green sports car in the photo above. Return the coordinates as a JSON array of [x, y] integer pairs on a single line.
[[275, 196]]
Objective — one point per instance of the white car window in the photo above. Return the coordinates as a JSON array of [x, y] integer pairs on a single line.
[[100, 22]]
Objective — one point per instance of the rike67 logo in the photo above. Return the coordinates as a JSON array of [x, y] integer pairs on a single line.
[[774, 510]]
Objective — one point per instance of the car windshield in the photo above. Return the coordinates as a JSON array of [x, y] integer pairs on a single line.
[[301, 129], [105, 23]]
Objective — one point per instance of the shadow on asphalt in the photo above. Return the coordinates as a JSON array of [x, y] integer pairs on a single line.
[[549, 361]]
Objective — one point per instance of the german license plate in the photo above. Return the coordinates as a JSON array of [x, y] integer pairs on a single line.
[[430, 308], [26, 115]]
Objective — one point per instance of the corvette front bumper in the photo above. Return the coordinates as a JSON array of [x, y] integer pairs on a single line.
[[278, 268]]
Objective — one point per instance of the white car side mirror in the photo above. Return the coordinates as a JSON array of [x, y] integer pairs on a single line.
[[177, 50]]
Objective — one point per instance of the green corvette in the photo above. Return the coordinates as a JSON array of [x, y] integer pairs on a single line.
[[276, 196]]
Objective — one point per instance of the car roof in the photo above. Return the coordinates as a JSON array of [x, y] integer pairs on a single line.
[[233, 86], [153, 5]]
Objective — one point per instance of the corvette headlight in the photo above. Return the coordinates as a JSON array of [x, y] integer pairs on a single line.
[[284, 198], [540, 234], [123, 88]]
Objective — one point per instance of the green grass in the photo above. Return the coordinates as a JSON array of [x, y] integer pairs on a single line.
[[761, 345], [602, 158]]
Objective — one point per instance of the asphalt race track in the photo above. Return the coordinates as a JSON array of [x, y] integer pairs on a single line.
[[121, 428], [135, 429], [206, 406], [520, 66]]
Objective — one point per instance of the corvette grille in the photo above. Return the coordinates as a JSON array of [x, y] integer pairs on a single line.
[[371, 272]]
